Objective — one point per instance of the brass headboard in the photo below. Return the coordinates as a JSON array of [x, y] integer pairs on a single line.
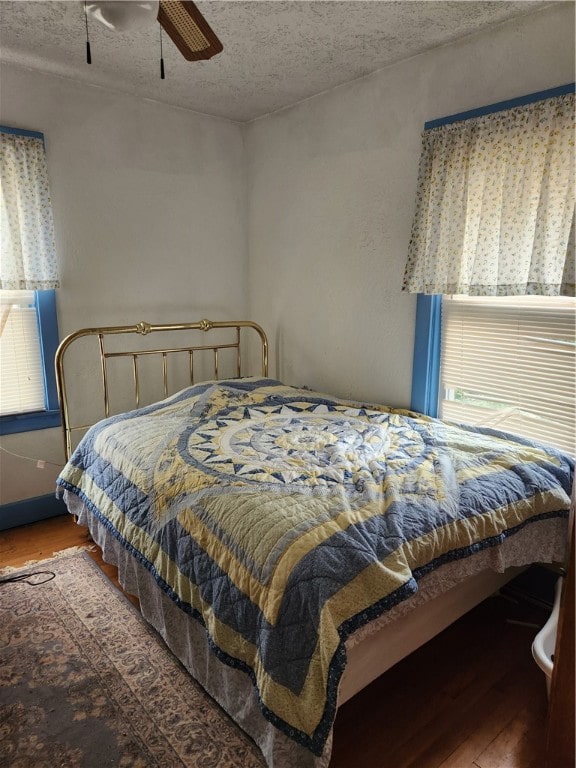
[[145, 329]]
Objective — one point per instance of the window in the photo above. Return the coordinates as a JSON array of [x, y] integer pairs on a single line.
[[21, 373], [495, 220], [510, 363], [28, 342], [28, 275]]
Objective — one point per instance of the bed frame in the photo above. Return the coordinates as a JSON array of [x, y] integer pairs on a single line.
[[444, 597]]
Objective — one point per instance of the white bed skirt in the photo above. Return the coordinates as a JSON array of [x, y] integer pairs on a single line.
[[444, 595]]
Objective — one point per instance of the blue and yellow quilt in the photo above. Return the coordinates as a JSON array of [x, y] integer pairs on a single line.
[[283, 519]]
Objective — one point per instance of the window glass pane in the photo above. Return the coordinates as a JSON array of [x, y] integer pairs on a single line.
[[510, 363], [21, 369]]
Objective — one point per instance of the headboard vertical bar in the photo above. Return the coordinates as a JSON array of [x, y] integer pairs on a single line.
[[104, 374], [136, 380], [264, 341], [165, 372], [238, 354], [191, 365], [216, 364], [63, 400]]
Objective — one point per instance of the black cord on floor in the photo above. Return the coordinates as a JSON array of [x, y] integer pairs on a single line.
[[26, 576]]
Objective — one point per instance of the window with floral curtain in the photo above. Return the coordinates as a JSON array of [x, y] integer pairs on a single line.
[[28, 275], [492, 259], [495, 204]]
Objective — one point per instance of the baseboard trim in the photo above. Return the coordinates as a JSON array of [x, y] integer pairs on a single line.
[[32, 510]]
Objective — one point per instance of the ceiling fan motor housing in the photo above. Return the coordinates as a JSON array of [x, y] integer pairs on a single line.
[[124, 15]]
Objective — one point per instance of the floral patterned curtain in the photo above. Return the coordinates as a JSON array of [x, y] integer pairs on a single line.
[[495, 205], [27, 253]]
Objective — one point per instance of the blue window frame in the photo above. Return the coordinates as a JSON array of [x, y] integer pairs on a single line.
[[45, 305], [426, 362]]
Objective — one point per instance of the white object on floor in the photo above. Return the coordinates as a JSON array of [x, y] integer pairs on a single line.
[[545, 641]]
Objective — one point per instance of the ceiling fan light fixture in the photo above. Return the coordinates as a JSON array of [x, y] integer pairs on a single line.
[[180, 19], [124, 15]]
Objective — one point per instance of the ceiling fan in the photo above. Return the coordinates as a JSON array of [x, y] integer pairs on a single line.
[[180, 19]]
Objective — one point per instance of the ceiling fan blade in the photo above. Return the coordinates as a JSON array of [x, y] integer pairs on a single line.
[[188, 29]]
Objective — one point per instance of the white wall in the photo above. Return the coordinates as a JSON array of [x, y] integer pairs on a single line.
[[150, 216], [331, 197]]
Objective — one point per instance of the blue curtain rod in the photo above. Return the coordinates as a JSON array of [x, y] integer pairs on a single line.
[[500, 106], [21, 132]]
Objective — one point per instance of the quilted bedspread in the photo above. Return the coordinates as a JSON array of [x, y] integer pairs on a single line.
[[283, 519]]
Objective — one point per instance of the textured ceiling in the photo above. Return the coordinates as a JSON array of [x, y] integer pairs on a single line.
[[276, 52]]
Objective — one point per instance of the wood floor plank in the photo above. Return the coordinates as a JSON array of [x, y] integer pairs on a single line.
[[486, 721], [467, 732], [453, 725], [41, 540], [516, 744]]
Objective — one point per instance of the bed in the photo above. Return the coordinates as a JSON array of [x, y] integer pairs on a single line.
[[290, 546]]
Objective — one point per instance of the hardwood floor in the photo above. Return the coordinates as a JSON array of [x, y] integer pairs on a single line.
[[470, 698], [40, 540]]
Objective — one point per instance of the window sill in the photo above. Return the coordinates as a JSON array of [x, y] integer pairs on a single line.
[[29, 422]]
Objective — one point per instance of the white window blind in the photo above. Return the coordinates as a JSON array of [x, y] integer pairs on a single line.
[[21, 371], [510, 363]]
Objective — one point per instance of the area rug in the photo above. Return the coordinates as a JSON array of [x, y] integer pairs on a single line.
[[86, 683]]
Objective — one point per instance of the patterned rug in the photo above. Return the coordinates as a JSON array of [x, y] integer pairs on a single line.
[[85, 683]]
